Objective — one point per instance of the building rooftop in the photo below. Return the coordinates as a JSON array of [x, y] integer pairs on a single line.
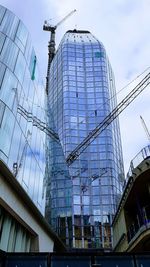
[[77, 31]]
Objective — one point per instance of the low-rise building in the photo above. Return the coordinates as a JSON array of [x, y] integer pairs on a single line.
[[131, 224], [22, 227]]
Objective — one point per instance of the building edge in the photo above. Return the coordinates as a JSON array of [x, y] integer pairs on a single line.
[[30, 207]]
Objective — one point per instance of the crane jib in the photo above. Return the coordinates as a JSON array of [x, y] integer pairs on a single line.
[[108, 119]]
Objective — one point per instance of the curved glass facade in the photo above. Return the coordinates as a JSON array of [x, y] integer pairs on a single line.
[[81, 94], [22, 143]]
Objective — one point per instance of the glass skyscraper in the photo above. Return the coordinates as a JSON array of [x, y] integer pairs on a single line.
[[82, 198], [22, 142]]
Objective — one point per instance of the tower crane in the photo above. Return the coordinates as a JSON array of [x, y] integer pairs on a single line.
[[51, 44], [16, 166], [98, 129], [42, 126], [108, 119], [145, 128], [94, 177], [37, 123]]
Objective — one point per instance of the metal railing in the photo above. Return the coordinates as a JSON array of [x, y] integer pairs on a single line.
[[143, 154], [73, 259], [142, 219]]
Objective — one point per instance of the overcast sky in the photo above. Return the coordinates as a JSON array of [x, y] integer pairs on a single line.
[[123, 26]]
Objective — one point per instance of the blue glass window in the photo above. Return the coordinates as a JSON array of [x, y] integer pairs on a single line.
[[8, 89], [20, 67], [9, 24], [9, 54], [6, 131]]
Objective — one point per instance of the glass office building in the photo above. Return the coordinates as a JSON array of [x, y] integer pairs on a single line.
[[22, 142], [81, 94]]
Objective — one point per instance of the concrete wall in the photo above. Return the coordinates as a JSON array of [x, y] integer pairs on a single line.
[[120, 233], [17, 208], [17, 203]]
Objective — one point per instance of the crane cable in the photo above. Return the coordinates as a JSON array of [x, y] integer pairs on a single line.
[[108, 119], [117, 93]]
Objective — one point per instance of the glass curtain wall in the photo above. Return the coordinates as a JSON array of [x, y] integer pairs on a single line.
[[22, 143], [58, 210], [81, 95]]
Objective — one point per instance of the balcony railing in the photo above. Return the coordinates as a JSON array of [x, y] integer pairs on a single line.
[[140, 220], [143, 154]]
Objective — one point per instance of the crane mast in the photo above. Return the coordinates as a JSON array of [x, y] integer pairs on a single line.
[[51, 44], [145, 128], [108, 119]]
